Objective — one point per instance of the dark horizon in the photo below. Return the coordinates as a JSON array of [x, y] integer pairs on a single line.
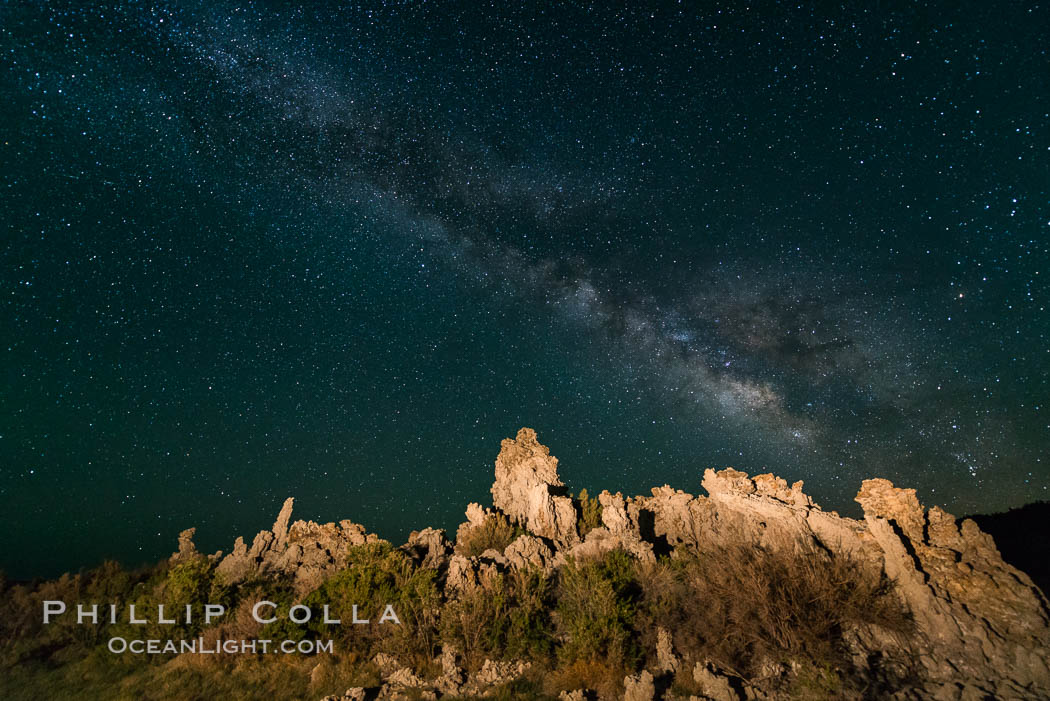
[[339, 254]]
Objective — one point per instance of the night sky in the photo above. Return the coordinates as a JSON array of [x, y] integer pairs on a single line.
[[338, 254]]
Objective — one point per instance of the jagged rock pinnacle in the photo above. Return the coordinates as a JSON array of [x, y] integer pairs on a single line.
[[983, 627]]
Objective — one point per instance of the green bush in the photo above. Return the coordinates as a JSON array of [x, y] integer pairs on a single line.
[[529, 635], [477, 622], [590, 510], [188, 582], [283, 628], [377, 575], [597, 602], [506, 617], [494, 533]]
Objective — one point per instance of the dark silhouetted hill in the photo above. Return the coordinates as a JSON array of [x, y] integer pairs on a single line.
[[1021, 535]]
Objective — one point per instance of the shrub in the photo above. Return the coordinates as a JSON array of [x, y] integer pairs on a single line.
[[601, 676], [507, 616], [597, 602], [590, 510], [745, 607], [377, 575], [530, 624], [110, 583], [23, 636], [476, 623], [283, 628], [494, 533], [189, 582]]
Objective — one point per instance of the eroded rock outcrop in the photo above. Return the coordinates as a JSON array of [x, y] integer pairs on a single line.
[[977, 616], [639, 687], [982, 628], [357, 693], [305, 551], [428, 548], [452, 675], [766, 511], [714, 685], [477, 516], [529, 551], [620, 530], [666, 660], [528, 490], [187, 550]]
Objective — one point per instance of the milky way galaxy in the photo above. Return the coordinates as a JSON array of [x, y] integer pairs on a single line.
[[339, 253]]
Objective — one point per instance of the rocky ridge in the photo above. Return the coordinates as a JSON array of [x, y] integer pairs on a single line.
[[982, 626]]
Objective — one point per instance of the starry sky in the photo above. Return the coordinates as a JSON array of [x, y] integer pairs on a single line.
[[253, 252]]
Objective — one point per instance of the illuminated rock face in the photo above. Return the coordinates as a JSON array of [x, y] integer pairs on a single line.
[[982, 626], [980, 618], [528, 490], [307, 551]]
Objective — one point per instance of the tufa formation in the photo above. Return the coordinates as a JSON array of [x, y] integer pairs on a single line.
[[981, 628]]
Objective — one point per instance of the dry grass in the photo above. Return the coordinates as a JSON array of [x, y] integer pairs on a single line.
[[754, 612], [495, 533], [598, 675]]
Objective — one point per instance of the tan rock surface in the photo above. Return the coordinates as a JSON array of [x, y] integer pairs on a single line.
[[187, 550], [528, 490], [306, 551], [979, 618], [983, 626]]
